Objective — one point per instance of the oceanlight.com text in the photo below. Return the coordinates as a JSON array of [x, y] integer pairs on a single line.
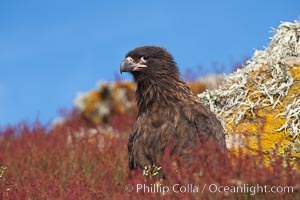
[[212, 188]]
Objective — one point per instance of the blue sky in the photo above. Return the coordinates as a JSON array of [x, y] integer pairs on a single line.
[[50, 50]]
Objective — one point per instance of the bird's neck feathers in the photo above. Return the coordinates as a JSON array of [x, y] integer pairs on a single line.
[[160, 91]]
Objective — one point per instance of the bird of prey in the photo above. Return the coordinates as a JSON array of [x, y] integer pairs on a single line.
[[168, 112]]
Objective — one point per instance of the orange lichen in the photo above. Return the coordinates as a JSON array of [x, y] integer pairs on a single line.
[[196, 87]]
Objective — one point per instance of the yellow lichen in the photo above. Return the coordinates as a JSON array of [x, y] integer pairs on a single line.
[[260, 129]]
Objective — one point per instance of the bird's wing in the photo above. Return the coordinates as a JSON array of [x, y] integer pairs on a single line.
[[148, 139], [208, 125]]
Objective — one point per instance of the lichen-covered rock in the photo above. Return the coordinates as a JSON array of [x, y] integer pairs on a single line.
[[110, 98], [260, 103]]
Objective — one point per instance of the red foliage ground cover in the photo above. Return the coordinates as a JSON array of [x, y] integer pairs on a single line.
[[72, 162]]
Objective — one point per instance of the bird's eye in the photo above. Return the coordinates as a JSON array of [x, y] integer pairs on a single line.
[[145, 58]]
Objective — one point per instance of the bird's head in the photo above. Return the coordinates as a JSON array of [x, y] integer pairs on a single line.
[[149, 61]]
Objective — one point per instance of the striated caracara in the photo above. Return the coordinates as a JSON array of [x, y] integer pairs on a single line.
[[169, 114]]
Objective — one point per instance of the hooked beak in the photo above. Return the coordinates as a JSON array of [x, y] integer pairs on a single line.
[[128, 65]]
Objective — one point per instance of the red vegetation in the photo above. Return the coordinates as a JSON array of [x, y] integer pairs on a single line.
[[72, 162]]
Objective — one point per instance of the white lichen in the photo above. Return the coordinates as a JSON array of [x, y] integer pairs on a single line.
[[80, 101], [292, 115]]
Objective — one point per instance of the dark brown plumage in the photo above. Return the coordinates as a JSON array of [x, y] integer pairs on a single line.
[[168, 112]]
